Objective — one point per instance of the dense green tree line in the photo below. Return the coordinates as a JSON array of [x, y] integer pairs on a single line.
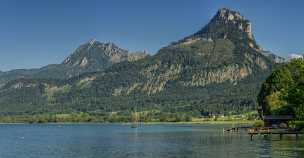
[[283, 91]]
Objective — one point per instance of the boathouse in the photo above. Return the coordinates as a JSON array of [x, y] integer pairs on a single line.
[[277, 120]]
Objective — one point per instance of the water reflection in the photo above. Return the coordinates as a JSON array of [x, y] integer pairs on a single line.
[[272, 146], [147, 141]]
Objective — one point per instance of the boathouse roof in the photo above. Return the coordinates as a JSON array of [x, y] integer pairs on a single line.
[[278, 117]]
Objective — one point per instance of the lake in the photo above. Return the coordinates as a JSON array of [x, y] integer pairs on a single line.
[[147, 141]]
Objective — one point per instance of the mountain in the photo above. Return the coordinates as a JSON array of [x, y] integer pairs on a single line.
[[96, 56], [275, 58], [218, 69], [226, 24], [91, 56], [295, 56], [15, 74]]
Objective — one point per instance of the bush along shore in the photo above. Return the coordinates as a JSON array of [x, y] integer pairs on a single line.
[[114, 117]]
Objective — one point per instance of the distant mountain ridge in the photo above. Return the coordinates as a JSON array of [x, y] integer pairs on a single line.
[[218, 69], [275, 58], [96, 56], [92, 56]]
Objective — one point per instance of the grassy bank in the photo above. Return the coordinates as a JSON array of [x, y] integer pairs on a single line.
[[247, 122], [113, 118]]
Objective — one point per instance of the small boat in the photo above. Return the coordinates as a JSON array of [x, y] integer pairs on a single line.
[[134, 126]]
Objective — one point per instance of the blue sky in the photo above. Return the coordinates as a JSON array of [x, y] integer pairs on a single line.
[[34, 33]]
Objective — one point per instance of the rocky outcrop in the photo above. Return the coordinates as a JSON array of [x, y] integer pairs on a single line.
[[156, 80], [226, 16], [226, 24], [136, 56], [232, 74]]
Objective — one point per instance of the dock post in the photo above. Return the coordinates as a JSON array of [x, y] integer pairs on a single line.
[[251, 137], [265, 136]]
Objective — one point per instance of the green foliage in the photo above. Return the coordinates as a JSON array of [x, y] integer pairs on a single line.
[[299, 111], [258, 123], [283, 91]]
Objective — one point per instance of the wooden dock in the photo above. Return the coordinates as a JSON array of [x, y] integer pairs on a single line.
[[271, 131], [236, 129]]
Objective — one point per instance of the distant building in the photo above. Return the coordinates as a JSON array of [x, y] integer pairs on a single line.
[[277, 120]]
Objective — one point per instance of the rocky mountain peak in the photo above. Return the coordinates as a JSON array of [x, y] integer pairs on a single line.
[[105, 46], [227, 16], [95, 50], [112, 48], [95, 56], [92, 41], [226, 24]]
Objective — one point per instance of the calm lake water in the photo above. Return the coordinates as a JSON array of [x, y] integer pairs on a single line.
[[147, 141]]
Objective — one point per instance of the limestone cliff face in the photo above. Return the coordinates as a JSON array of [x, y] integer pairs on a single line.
[[156, 81], [231, 74], [136, 56], [156, 78]]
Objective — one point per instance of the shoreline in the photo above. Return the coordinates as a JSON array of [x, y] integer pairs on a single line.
[[143, 123]]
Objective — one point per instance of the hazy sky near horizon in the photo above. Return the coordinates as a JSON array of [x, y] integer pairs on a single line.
[[34, 33]]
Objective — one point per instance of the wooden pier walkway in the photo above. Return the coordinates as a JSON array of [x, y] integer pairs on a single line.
[[236, 129], [270, 131]]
